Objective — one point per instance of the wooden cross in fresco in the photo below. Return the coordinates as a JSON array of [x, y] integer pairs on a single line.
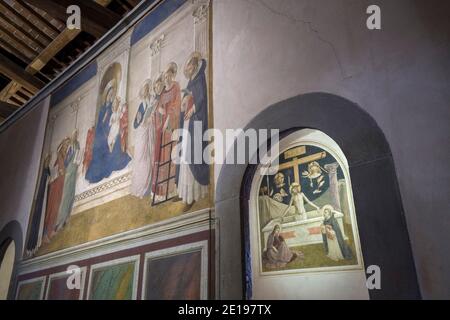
[[296, 161]]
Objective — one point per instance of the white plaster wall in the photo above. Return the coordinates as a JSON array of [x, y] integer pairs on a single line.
[[266, 51], [20, 153]]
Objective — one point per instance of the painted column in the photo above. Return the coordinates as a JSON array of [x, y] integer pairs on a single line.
[[200, 15], [334, 186]]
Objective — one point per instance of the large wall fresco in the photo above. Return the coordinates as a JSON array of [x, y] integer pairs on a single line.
[[108, 162]]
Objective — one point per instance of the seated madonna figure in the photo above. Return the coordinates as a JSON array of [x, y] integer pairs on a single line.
[[277, 254]]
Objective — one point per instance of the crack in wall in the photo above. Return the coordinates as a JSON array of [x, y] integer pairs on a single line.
[[311, 28]]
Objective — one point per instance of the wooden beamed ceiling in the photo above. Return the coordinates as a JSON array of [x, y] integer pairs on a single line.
[[35, 45]]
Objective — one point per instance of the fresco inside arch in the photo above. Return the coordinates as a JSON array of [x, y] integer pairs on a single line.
[[108, 162], [305, 214]]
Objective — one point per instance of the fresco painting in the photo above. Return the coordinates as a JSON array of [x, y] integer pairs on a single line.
[[113, 160], [305, 213]]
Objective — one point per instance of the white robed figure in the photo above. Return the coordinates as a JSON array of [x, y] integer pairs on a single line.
[[144, 138]]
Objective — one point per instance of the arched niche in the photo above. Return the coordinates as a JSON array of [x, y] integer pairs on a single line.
[[11, 244], [378, 207]]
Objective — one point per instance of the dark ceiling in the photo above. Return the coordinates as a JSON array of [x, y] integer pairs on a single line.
[[35, 45]]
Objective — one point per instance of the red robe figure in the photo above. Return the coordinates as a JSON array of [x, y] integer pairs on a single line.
[[87, 158], [168, 108], [55, 192], [124, 127]]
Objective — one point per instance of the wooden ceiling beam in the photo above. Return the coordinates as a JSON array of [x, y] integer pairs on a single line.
[[5, 8], [103, 3], [41, 60], [6, 109], [16, 73], [8, 91], [125, 5], [96, 19], [133, 3], [39, 41], [19, 42], [44, 22], [51, 50], [14, 51], [19, 98], [57, 23]]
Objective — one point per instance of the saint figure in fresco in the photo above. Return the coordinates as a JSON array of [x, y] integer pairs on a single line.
[[71, 163], [277, 253], [334, 244], [192, 178], [55, 191], [87, 158], [169, 104], [144, 140], [108, 154], [278, 193]]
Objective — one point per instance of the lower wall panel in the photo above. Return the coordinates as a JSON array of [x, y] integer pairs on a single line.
[[180, 266]]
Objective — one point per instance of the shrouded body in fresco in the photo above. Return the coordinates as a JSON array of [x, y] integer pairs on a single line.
[[143, 125], [298, 200], [193, 178], [108, 153]]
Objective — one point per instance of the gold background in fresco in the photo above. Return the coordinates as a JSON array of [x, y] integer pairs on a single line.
[[120, 215]]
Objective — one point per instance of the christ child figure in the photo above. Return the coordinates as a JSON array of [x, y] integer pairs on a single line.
[[114, 123]]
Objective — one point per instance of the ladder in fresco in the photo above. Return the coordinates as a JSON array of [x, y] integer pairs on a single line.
[[164, 181]]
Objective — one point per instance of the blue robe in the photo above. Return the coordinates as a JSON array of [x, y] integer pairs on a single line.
[[104, 162], [197, 87]]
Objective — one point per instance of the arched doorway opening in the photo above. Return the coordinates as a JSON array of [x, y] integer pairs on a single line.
[[7, 258], [381, 223]]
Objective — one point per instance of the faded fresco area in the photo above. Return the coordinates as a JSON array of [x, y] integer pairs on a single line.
[[58, 290], [175, 277], [108, 163], [305, 214], [30, 291], [114, 282]]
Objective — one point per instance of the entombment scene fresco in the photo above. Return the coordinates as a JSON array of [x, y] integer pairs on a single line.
[[305, 213], [111, 140]]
